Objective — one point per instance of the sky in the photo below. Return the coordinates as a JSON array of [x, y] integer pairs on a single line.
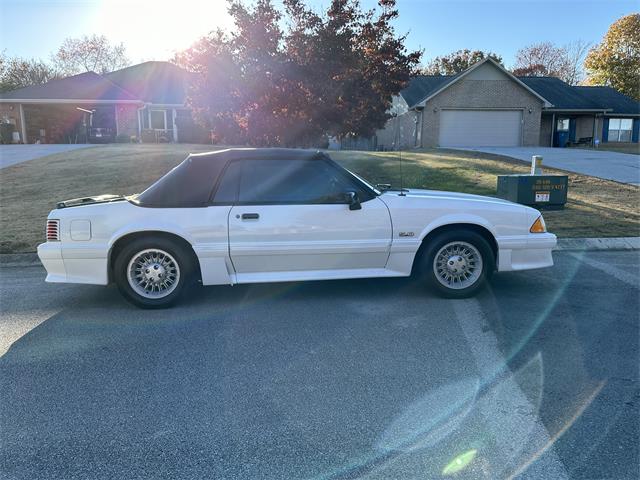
[[155, 29]]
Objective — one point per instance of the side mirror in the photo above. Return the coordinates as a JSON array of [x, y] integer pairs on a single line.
[[353, 201], [383, 187]]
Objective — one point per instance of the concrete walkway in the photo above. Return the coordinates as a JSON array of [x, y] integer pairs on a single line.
[[14, 154], [621, 167]]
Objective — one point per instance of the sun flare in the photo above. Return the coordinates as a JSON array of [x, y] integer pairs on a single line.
[[155, 30]]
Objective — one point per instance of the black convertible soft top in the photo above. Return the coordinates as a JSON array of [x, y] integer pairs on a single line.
[[191, 183]]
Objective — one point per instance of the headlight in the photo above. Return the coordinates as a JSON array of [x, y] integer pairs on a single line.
[[538, 226]]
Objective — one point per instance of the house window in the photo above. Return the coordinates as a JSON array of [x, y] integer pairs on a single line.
[[158, 119], [562, 125], [620, 129]]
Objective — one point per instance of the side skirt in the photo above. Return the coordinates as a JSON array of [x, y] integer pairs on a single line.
[[270, 277]]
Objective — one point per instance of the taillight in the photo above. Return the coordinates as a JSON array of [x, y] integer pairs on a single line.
[[53, 230]]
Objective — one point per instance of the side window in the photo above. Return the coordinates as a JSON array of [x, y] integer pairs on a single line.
[[227, 191], [294, 181]]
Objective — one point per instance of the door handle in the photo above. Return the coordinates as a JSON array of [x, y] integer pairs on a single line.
[[250, 216]]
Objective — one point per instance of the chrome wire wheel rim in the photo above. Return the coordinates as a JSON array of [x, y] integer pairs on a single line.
[[153, 273], [457, 265]]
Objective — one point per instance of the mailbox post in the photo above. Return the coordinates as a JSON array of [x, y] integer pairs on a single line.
[[536, 165]]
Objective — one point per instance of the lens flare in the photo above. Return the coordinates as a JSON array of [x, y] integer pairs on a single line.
[[459, 463]]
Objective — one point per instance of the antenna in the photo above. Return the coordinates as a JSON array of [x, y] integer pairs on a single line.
[[401, 194]]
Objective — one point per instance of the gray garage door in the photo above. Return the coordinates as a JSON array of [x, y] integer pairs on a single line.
[[480, 128]]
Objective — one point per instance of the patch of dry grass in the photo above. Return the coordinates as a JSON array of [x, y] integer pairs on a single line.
[[30, 190]]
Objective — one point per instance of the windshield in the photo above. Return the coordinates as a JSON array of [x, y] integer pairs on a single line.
[[362, 180]]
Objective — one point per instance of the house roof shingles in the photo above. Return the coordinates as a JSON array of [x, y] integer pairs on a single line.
[[560, 94], [611, 98], [154, 82], [85, 86], [422, 86]]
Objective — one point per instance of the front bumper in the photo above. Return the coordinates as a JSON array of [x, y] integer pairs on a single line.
[[526, 252], [73, 265]]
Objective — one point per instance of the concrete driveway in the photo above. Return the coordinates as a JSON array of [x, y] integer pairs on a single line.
[[14, 154], [621, 167], [536, 378]]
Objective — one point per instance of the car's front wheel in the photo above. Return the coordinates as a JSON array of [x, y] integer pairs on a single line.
[[151, 273], [458, 263]]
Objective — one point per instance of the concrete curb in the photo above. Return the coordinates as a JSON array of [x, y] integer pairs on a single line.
[[564, 244], [597, 244]]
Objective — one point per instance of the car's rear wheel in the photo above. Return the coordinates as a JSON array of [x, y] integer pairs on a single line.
[[151, 273], [458, 263]]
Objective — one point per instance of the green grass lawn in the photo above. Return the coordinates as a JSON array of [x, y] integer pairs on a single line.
[[28, 191]]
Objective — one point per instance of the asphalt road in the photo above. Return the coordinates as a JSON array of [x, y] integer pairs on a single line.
[[373, 379]]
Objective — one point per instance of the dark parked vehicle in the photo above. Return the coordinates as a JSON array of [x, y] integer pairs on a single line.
[[101, 135]]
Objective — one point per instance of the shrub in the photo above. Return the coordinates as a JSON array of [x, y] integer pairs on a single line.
[[191, 132], [6, 132], [323, 143]]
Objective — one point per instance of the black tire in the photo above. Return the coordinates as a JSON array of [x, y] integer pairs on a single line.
[[182, 258], [428, 267]]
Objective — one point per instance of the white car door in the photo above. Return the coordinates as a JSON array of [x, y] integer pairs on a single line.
[[291, 220]]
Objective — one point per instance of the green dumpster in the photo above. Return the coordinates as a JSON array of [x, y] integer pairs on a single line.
[[539, 191]]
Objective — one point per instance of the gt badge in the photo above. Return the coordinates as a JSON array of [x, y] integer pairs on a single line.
[[407, 234]]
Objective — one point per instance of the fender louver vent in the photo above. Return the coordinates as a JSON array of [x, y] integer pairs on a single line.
[[53, 230]]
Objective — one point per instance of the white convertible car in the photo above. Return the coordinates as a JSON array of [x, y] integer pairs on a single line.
[[274, 215]]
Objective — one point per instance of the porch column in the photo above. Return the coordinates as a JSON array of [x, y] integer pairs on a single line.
[[175, 127], [115, 117], [553, 128], [23, 125]]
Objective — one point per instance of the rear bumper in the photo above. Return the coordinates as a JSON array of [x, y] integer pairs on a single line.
[[526, 252], [73, 265]]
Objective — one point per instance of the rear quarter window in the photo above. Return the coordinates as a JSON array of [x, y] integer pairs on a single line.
[[227, 191]]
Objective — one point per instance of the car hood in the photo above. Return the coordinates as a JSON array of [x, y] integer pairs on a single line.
[[438, 194]]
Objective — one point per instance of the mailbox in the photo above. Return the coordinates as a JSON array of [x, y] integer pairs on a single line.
[[539, 191]]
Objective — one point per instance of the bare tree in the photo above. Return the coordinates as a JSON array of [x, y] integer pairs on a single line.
[[545, 59], [549, 60], [16, 72], [90, 54], [576, 54]]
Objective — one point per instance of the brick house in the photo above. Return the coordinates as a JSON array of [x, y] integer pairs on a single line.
[[488, 106], [145, 101]]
